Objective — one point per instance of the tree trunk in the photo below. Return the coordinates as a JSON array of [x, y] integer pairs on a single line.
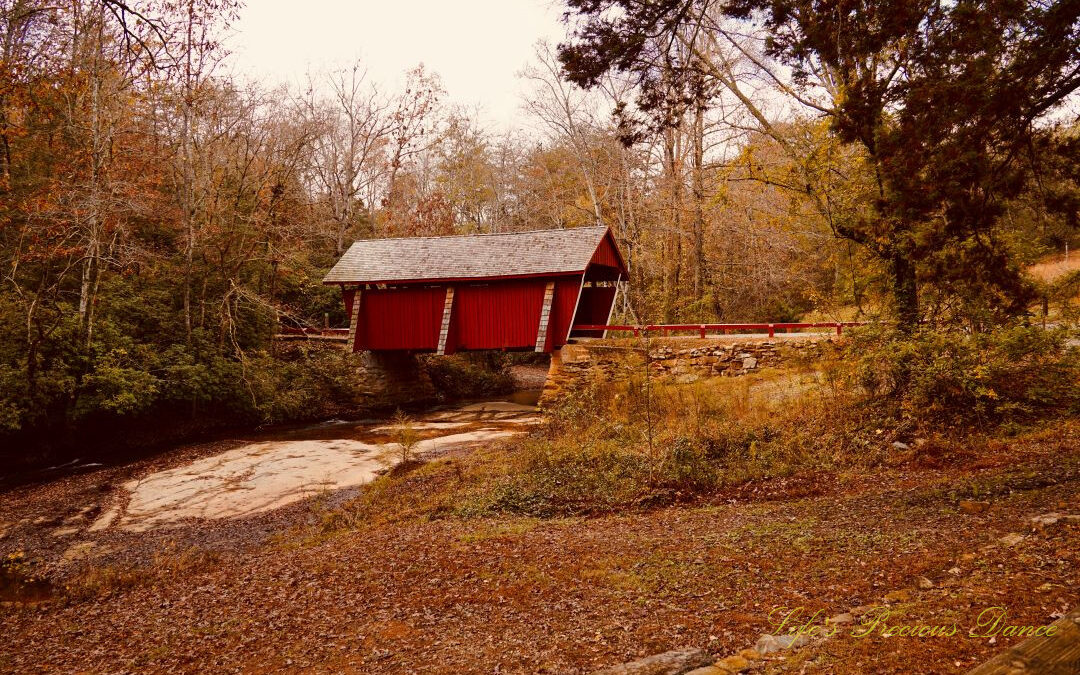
[[905, 292], [187, 188], [698, 178], [673, 236]]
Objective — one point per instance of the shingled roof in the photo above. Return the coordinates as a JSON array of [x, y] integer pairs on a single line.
[[513, 254]]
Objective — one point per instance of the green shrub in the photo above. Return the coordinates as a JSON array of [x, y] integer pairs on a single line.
[[550, 480], [469, 375], [590, 474], [937, 379]]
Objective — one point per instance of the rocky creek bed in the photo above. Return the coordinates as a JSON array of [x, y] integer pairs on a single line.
[[231, 492]]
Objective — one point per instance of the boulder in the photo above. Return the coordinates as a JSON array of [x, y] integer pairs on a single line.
[[1049, 520], [675, 662], [1012, 539], [770, 644], [972, 507]]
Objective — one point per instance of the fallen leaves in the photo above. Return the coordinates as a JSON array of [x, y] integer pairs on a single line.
[[569, 595]]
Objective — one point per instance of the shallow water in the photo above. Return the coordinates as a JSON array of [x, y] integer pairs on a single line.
[[525, 396]]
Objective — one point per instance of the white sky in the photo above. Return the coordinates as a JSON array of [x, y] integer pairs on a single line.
[[476, 46]]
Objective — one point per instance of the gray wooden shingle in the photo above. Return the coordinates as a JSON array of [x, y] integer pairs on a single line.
[[466, 257]]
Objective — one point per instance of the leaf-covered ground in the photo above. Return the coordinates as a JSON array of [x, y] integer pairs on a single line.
[[519, 595]]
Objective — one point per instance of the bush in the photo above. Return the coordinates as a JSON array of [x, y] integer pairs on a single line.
[[548, 480], [948, 380], [471, 375]]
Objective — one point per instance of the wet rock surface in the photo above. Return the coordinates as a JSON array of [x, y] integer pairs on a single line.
[[234, 494]]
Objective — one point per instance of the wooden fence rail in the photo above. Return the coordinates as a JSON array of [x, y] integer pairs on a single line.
[[333, 334]]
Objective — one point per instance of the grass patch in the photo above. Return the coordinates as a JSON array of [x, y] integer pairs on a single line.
[[99, 581], [167, 563]]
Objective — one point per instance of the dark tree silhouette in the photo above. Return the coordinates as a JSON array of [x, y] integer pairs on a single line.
[[947, 100]]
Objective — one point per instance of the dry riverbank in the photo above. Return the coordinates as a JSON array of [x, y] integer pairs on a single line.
[[567, 595]]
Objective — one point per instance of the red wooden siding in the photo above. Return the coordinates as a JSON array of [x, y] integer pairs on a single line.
[[400, 318], [498, 315], [607, 255]]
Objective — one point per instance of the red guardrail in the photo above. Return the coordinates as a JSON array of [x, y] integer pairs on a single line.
[[725, 328], [326, 332]]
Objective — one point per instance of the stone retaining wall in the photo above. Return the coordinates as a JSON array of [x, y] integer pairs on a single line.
[[680, 360]]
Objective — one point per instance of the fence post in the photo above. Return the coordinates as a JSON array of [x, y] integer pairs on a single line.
[[839, 328], [772, 330]]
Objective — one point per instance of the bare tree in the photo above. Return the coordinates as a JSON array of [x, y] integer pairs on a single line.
[[348, 154]]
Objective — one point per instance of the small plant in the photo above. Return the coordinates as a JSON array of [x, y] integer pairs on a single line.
[[406, 438]]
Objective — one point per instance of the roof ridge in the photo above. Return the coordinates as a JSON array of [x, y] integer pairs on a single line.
[[487, 234], [493, 254]]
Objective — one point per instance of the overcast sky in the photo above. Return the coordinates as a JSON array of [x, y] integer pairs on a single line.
[[476, 46]]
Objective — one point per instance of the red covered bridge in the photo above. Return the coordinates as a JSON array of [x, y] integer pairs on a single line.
[[520, 290]]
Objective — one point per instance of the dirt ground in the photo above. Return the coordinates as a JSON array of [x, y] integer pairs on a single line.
[[1055, 267], [266, 593]]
